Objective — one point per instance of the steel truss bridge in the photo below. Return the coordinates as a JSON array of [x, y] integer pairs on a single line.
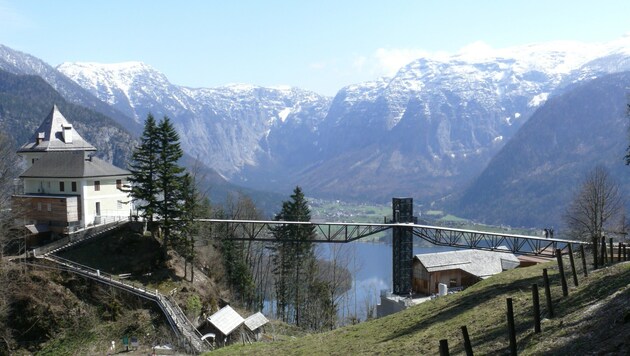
[[404, 226]]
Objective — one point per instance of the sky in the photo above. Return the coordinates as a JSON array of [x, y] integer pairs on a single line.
[[319, 45]]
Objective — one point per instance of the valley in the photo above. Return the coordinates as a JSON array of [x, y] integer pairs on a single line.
[[314, 178]]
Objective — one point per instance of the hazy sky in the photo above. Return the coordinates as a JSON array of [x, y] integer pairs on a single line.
[[319, 45]]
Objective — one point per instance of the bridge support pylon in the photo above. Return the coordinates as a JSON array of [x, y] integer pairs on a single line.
[[402, 247]]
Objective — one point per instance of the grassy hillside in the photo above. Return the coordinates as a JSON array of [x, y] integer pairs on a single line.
[[595, 317]]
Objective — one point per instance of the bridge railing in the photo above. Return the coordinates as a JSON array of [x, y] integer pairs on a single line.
[[260, 230]]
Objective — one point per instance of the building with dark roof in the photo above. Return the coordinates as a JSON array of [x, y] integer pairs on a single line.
[[65, 186]]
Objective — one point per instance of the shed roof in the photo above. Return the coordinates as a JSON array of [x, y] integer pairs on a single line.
[[72, 164], [50, 136], [255, 321], [476, 262], [226, 320]]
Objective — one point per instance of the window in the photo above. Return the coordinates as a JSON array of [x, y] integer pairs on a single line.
[[118, 183], [74, 186], [97, 185], [39, 206], [62, 186], [49, 207]]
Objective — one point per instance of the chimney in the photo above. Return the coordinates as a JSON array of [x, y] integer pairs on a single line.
[[40, 138], [67, 133]]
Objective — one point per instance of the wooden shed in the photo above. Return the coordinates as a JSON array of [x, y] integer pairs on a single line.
[[225, 322], [254, 325], [458, 269]]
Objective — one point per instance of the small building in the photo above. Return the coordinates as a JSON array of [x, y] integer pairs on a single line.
[[458, 269], [255, 323], [224, 322], [64, 186]]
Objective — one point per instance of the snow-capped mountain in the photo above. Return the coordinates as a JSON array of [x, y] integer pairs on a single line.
[[20, 63], [439, 120], [423, 132], [230, 128]]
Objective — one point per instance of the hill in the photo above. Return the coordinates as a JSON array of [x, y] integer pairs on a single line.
[[46, 310], [593, 319], [533, 178]]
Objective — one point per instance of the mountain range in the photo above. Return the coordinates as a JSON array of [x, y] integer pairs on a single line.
[[427, 132], [531, 181], [424, 132]]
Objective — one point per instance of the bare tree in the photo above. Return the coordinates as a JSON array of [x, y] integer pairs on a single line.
[[595, 207], [9, 165]]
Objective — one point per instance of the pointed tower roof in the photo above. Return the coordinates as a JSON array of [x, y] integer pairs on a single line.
[[56, 134]]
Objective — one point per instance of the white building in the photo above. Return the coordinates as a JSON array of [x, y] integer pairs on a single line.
[[65, 186]]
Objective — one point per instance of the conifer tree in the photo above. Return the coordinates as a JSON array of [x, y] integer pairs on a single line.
[[143, 169], [157, 177], [169, 178], [293, 257]]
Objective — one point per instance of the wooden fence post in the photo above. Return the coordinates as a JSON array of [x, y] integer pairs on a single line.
[[619, 252], [536, 302], [548, 293], [563, 279], [604, 255], [575, 279], [583, 255], [511, 327], [612, 250], [444, 348], [467, 344], [595, 243]]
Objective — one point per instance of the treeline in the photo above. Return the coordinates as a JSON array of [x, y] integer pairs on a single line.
[[286, 274]]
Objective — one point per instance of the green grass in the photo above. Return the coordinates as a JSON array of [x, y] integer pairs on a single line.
[[482, 308]]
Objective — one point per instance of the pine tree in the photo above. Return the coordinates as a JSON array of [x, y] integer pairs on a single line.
[[157, 178], [143, 169], [169, 178], [293, 256]]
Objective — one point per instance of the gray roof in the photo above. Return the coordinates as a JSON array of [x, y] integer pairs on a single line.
[[255, 321], [476, 262], [72, 164], [226, 320], [50, 135]]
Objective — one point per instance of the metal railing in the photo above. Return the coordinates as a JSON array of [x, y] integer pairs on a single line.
[[77, 237], [176, 318]]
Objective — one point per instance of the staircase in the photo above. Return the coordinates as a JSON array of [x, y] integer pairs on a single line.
[[189, 337], [78, 237]]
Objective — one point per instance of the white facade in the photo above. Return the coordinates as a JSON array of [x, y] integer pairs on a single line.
[[107, 203], [61, 169]]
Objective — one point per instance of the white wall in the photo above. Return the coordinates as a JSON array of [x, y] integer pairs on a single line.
[[113, 202]]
